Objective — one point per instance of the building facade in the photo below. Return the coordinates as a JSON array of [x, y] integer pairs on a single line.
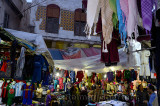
[[13, 15], [62, 23]]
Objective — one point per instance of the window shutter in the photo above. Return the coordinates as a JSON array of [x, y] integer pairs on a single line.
[[82, 29], [83, 17], [52, 25], [77, 28]]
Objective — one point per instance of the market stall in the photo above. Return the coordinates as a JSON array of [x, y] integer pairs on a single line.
[[25, 63]]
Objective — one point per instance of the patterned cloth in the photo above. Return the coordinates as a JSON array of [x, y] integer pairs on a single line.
[[67, 20], [71, 53], [125, 9], [41, 13], [146, 6], [107, 24]]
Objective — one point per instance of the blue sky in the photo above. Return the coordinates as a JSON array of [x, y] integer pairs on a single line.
[[29, 0]]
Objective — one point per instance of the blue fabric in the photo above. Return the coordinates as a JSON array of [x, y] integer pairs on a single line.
[[30, 47], [152, 97], [133, 75], [122, 27], [28, 100], [37, 72], [56, 54], [55, 84], [72, 76], [39, 64]]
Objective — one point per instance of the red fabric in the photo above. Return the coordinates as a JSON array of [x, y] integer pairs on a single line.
[[26, 92], [4, 66], [4, 90], [112, 55], [80, 75], [66, 74], [20, 81], [71, 54], [61, 83], [90, 51]]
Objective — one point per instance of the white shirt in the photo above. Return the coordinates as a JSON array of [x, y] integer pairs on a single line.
[[1, 84], [19, 89], [134, 57]]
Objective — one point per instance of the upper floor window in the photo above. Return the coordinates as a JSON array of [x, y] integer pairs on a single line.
[[80, 22], [52, 18]]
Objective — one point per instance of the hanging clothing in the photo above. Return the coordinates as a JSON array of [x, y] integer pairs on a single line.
[[113, 6], [133, 75], [80, 75], [118, 76], [93, 9], [60, 83], [4, 66], [134, 57], [1, 85], [18, 88], [110, 76], [72, 76], [132, 18], [125, 10], [122, 27], [11, 94], [20, 63], [146, 8], [4, 92], [112, 56], [27, 94], [144, 68]]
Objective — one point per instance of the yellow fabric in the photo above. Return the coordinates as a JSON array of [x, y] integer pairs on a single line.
[[100, 76]]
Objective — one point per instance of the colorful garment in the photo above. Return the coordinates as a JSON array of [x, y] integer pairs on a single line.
[[127, 74], [55, 84], [61, 83], [11, 93], [18, 88], [4, 92], [118, 76], [132, 21], [4, 66], [72, 76], [110, 76], [146, 9], [112, 56], [80, 76], [27, 94]]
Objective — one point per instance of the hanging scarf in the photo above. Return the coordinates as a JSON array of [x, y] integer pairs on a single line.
[[132, 18], [93, 8], [125, 10], [113, 6], [107, 25], [146, 6], [122, 28]]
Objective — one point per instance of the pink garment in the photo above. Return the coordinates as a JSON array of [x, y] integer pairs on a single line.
[[125, 10], [90, 51], [132, 18]]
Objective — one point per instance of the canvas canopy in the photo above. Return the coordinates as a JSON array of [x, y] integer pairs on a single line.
[[92, 64], [35, 39]]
